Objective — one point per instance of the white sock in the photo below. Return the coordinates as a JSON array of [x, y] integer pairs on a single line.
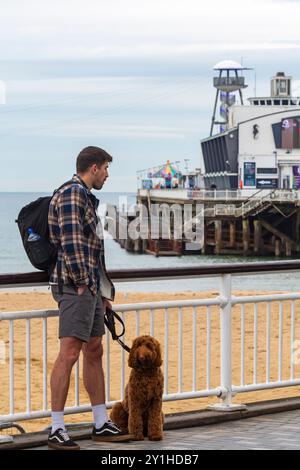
[[57, 421], [100, 415]]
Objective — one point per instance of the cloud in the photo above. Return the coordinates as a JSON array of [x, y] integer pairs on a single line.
[[118, 29], [167, 51], [73, 104], [2, 92], [110, 97], [120, 131]]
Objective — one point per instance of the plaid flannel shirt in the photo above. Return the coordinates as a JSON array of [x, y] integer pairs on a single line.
[[73, 223]]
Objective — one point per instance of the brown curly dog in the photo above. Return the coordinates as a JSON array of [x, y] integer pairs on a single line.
[[140, 413]]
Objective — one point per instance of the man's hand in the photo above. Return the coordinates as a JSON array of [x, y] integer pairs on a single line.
[[106, 303], [81, 289]]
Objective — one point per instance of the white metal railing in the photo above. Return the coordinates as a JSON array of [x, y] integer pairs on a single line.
[[206, 194], [198, 323]]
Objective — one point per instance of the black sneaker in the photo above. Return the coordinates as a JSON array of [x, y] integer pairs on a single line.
[[60, 440], [109, 432]]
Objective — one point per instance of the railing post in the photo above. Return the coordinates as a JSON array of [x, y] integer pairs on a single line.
[[226, 354], [3, 437], [226, 360]]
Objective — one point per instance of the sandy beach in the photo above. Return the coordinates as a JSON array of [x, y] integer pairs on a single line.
[[24, 301]]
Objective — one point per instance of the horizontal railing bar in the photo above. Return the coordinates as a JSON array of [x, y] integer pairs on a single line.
[[187, 395], [46, 414], [28, 314], [117, 307], [263, 298], [265, 386], [124, 275], [86, 408], [159, 305], [168, 304]]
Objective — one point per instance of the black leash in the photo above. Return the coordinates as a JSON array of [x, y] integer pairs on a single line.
[[109, 320]]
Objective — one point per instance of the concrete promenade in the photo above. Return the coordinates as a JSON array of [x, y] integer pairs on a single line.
[[266, 425]]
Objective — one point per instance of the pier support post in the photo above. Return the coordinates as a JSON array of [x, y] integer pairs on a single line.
[[128, 245], [218, 236], [144, 245], [297, 231], [232, 233], [203, 249], [277, 247], [257, 237], [137, 246], [246, 236], [288, 249]]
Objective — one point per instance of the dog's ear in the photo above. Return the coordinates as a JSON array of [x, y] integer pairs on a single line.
[[158, 361], [132, 355]]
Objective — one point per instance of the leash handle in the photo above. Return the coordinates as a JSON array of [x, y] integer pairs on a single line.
[[109, 320]]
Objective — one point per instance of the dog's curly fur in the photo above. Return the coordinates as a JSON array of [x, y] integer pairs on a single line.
[[140, 413]]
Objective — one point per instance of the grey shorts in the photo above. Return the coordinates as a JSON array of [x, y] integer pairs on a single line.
[[80, 316]]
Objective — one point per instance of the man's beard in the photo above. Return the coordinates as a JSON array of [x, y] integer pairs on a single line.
[[99, 186]]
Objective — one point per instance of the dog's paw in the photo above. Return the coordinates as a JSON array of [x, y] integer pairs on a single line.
[[155, 437], [137, 437]]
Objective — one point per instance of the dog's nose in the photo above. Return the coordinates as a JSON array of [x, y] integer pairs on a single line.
[[144, 357]]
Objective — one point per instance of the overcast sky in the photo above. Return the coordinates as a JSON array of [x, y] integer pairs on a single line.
[[81, 29], [132, 76]]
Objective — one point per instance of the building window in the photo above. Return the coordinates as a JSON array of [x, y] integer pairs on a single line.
[[282, 86], [265, 171], [290, 135], [255, 102], [285, 102], [296, 177], [277, 102], [262, 102], [269, 102]]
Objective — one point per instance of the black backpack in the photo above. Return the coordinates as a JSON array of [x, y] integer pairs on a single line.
[[41, 253]]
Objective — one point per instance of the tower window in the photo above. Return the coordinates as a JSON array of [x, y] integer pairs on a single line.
[[282, 86]]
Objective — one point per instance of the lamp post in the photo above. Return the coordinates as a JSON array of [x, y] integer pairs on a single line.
[[187, 160]]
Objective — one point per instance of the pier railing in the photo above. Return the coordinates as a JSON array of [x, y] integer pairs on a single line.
[[214, 346], [277, 195]]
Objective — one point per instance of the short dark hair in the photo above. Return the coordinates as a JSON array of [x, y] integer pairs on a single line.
[[90, 155]]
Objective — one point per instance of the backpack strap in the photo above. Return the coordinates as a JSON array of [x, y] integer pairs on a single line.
[[62, 185]]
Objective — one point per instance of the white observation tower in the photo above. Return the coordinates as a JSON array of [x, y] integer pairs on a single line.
[[227, 84]]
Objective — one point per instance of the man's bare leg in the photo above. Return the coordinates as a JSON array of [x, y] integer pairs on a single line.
[[60, 378], [93, 375]]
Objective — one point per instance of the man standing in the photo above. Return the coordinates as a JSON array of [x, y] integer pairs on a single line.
[[83, 290]]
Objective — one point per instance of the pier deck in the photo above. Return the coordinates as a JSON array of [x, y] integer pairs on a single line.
[[265, 425]]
